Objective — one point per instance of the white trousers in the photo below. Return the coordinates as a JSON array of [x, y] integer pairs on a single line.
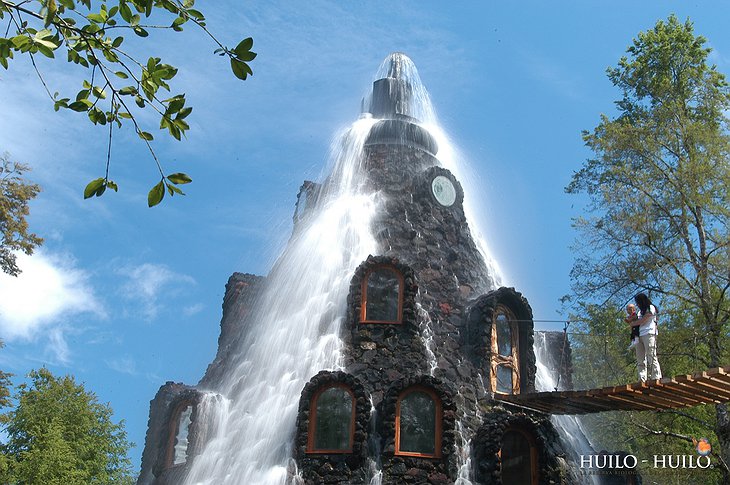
[[646, 357]]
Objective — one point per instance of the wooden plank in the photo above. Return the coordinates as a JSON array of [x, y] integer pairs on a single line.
[[672, 396], [688, 395], [700, 383], [606, 401], [659, 393], [627, 403], [721, 379], [715, 385], [719, 396], [706, 396], [629, 393]]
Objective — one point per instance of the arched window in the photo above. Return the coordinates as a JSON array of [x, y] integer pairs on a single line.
[[519, 458], [382, 296], [505, 365], [331, 420], [418, 418], [177, 450]]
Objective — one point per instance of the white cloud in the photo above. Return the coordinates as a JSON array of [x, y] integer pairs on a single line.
[[58, 346], [148, 284], [123, 365], [191, 310], [42, 298]]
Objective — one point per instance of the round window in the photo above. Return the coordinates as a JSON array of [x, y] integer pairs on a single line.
[[443, 190]]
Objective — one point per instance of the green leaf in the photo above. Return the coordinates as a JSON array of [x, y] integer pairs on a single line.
[[121, 75], [60, 103], [183, 113], [156, 194], [174, 190], [98, 92], [179, 178], [51, 9], [127, 90], [92, 187], [140, 31], [126, 13], [197, 15], [146, 135], [247, 56], [79, 106], [244, 46], [240, 69], [45, 51], [112, 185], [95, 17]]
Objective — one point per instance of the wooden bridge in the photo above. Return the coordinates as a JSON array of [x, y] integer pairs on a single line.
[[710, 387]]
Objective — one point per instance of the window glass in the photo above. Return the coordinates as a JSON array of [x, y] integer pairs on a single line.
[[504, 379], [516, 459], [418, 423], [333, 419], [382, 296], [504, 335], [181, 436]]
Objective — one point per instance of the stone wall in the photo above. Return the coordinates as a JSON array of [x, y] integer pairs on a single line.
[[405, 469], [551, 465], [342, 468], [380, 354], [478, 337], [242, 290], [162, 426]]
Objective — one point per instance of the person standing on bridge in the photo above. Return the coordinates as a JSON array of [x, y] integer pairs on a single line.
[[646, 346]]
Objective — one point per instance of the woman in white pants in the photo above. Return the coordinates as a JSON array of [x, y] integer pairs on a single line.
[[646, 346]]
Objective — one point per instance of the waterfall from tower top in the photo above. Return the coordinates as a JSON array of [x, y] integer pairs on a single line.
[[398, 92], [293, 330]]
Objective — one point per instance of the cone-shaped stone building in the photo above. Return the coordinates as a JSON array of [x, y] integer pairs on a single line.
[[429, 337]]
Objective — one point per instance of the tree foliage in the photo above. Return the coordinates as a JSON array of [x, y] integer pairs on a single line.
[[660, 183], [15, 193], [659, 192], [116, 85], [60, 434]]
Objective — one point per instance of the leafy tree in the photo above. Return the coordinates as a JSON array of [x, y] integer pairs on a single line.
[[15, 193], [116, 85], [659, 190], [60, 434]]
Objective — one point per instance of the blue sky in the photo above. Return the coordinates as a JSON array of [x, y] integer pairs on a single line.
[[125, 297]]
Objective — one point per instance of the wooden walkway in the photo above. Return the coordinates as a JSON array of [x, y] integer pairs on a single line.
[[710, 387]]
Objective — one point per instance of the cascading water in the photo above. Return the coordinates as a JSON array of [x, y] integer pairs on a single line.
[[295, 330], [570, 428]]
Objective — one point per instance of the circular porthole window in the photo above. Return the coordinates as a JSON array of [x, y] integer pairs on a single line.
[[443, 190]]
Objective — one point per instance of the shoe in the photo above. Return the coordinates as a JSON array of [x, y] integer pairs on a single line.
[[632, 345]]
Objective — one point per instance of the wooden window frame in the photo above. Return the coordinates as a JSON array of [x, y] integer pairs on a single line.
[[313, 420], [172, 434], [534, 475], [496, 360], [439, 422], [364, 292]]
